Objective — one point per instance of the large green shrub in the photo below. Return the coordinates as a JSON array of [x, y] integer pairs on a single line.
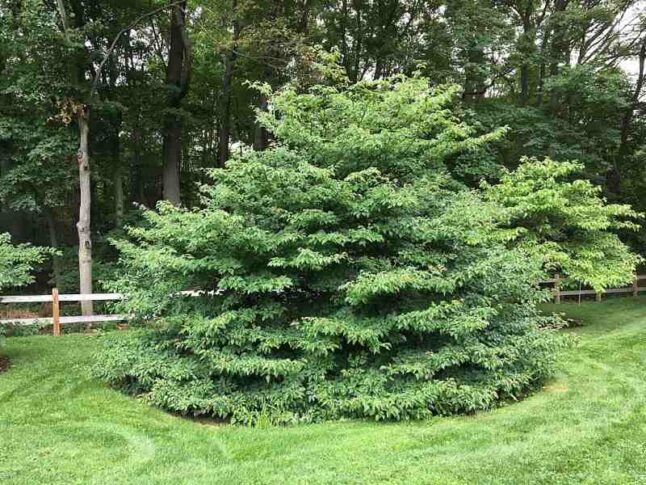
[[343, 273], [566, 223]]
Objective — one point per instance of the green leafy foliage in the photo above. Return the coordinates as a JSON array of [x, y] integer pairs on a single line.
[[401, 128], [566, 222], [17, 262], [340, 276]]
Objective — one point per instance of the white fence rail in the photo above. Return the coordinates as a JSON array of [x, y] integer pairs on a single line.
[[56, 320], [71, 297]]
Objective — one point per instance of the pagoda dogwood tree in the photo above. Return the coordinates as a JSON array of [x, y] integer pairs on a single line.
[[566, 222], [343, 273]]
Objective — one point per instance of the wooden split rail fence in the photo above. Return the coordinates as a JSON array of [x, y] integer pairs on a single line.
[[558, 293], [56, 320]]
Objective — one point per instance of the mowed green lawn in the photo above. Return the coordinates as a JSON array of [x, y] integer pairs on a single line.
[[58, 425]]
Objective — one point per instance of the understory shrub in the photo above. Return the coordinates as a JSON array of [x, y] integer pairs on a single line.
[[16, 264], [566, 222], [341, 273]]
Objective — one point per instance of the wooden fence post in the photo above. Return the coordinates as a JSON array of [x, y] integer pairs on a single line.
[[56, 313], [557, 288], [635, 286], [599, 295]]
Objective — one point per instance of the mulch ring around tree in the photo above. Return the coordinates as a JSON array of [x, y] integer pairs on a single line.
[[4, 363]]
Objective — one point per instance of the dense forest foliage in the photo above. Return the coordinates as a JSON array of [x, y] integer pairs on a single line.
[[106, 105]]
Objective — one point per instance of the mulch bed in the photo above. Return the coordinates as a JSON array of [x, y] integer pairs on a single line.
[[4, 364]]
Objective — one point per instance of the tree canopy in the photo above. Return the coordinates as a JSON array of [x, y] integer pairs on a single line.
[[169, 89]]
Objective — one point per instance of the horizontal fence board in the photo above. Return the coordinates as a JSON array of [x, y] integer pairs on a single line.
[[123, 318], [577, 292], [70, 297], [618, 290], [26, 299], [563, 281], [92, 297], [558, 292], [94, 319], [592, 292], [67, 320]]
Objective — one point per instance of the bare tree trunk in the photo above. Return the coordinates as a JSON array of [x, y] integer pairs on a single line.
[[119, 199], [542, 70], [177, 80], [225, 122], [224, 134], [84, 223], [528, 41], [172, 161], [559, 49], [137, 186], [118, 169], [61, 10]]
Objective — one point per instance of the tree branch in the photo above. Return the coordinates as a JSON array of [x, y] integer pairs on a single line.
[[132, 25]]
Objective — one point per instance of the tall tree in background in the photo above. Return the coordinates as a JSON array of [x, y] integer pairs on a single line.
[[75, 108], [230, 59], [177, 82]]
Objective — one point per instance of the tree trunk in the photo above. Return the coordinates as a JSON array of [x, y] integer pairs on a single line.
[[542, 69], [172, 161], [62, 12], [559, 49], [613, 176], [261, 136], [528, 47], [475, 85], [83, 226], [118, 170], [53, 242], [177, 81], [225, 121], [16, 219], [119, 199]]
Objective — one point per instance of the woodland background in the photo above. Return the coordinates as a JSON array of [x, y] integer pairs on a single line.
[[166, 90]]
